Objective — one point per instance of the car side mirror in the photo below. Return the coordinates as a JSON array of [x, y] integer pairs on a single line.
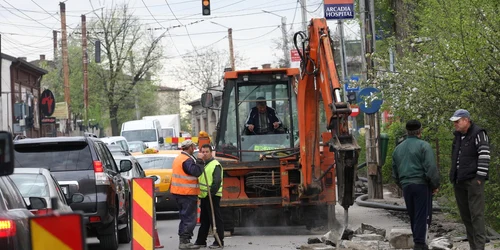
[[207, 100], [161, 140], [37, 203], [77, 198], [125, 165], [6, 154]]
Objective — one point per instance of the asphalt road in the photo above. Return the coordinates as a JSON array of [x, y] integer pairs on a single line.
[[270, 238]]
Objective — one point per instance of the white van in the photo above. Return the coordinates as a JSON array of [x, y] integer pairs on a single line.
[[148, 131]]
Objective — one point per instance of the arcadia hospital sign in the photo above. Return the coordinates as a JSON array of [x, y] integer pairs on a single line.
[[339, 9]]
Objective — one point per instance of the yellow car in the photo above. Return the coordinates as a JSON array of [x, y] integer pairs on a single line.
[[158, 164]]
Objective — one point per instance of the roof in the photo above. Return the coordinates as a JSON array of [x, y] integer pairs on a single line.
[[216, 94], [52, 140], [235, 74], [165, 88], [31, 171], [24, 63]]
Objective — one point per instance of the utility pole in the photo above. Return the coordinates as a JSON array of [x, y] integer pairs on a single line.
[[85, 73], [286, 49], [231, 49], [372, 123], [54, 38], [304, 15], [65, 61]]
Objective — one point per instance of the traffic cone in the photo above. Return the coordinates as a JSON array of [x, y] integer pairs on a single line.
[[157, 240]]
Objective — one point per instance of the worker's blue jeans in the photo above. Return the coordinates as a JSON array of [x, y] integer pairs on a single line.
[[417, 199], [187, 205]]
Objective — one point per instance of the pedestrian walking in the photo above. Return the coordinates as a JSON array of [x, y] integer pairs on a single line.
[[211, 185], [414, 170], [470, 160], [185, 188]]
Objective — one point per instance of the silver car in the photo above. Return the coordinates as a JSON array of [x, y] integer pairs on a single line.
[[39, 182]]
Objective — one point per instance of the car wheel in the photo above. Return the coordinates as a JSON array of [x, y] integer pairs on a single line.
[[124, 234], [110, 241]]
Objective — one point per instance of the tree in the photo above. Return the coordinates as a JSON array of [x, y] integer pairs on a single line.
[[129, 55], [451, 61]]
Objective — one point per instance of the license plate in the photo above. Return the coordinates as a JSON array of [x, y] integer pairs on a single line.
[[65, 190]]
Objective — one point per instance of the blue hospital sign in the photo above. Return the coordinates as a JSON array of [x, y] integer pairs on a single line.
[[339, 9]]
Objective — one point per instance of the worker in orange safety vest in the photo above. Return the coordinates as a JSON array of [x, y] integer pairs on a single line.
[[185, 188]]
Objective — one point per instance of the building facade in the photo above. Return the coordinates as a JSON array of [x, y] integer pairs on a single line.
[[205, 119], [20, 96], [168, 100]]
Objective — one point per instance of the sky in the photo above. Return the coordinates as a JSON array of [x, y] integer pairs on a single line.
[[26, 25]]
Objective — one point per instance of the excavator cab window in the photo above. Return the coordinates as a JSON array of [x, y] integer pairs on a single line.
[[267, 108]]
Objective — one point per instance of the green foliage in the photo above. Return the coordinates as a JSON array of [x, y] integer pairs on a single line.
[[451, 62], [396, 131]]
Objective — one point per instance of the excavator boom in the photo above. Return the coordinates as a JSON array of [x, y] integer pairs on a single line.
[[319, 80]]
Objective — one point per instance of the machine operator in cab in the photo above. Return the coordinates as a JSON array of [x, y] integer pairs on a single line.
[[263, 120]]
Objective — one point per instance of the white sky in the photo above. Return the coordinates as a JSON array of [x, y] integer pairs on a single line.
[[26, 25]]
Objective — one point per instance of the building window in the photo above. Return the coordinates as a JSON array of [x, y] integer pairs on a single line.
[[17, 93]]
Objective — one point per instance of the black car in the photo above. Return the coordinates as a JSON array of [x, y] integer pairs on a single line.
[[14, 215], [85, 165]]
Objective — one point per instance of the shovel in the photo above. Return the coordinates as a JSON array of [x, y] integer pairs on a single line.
[[214, 228]]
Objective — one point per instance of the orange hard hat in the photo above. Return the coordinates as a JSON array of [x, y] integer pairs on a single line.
[[203, 134]]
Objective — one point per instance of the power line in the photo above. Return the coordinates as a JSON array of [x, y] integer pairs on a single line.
[[294, 14], [24, 14], [187, 31], [253, 38], [202, 48], [173, 43]]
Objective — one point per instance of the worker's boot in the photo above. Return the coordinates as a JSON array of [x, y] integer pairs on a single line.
[[186, 244]]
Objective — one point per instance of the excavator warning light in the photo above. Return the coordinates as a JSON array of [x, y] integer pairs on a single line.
[[206, 7]]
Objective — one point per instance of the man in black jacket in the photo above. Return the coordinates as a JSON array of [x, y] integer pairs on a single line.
[[470, 160], [262, 119]]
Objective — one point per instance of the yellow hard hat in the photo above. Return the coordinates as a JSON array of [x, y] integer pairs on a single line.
[[203, 134]]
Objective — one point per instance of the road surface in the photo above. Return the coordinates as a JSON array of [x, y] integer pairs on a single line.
[[270, 238]]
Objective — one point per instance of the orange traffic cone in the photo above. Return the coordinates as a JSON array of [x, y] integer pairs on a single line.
[[157, 240]]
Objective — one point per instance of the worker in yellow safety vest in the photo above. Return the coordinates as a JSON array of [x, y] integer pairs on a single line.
[[185, 188], [211, 185]]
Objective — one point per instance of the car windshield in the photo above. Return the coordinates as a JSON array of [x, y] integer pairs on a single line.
[[146, 135], [63, 156], [156, 162], [31, 185], [135, 146]]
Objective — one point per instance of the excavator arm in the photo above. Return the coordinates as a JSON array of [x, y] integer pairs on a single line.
[[319, 80]]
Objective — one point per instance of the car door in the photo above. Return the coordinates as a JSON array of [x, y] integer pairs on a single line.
[[16, 210], [118, 181], [63, 205]]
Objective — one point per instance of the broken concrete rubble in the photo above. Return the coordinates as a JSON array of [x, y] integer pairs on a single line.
[[441, 243], [401, 238], [368, 237], [316, 247], [369, 229]]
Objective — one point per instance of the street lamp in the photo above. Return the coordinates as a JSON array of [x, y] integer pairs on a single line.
[[286, 51], [230, 38]]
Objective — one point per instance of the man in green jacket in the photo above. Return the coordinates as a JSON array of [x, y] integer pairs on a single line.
[[212, 185], [414, 169]]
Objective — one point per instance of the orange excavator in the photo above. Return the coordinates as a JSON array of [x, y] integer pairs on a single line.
[[285, 167]]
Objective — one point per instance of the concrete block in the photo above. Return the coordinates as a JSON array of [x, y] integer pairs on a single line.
[[367, 237], [401, 238], [319, 246]]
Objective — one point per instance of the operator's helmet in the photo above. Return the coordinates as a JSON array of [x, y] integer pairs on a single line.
[[203, 134]]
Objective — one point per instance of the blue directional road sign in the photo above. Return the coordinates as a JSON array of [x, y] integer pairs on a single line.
[[369, 100]]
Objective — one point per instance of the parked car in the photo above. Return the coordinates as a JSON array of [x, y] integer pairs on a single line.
[[137, 146], [117, 140], [14, 213], [83, 164], [38, 182], [135, 172], [118, 151], [158, 165]]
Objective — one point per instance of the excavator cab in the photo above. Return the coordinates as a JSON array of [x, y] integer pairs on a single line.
[[243, 92]]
